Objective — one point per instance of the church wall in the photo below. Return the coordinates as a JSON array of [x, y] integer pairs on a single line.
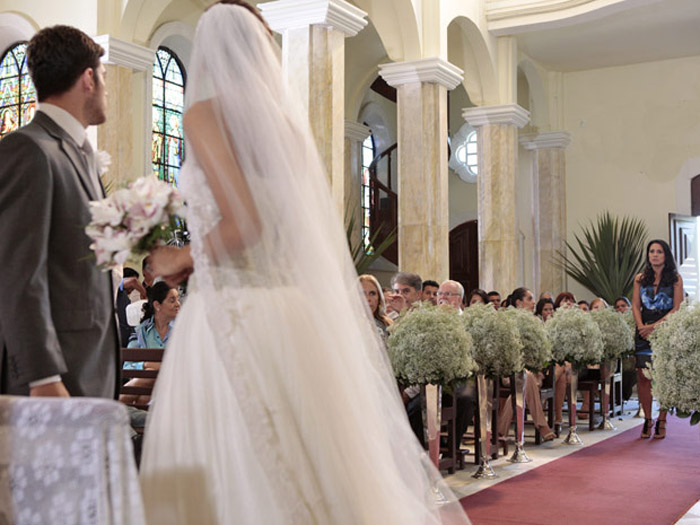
[[633, 130], [78, 13]]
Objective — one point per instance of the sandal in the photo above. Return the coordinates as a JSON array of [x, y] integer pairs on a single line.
[[557, 429], [549, 436], [646, 430], [660, 430]]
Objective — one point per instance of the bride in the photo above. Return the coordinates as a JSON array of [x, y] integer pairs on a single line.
[[275, 403]]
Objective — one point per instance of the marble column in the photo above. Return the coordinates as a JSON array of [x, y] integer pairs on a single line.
[[497, 145], [423, 234], [355, 134], [549, 205], [313, 59], [122, 136]]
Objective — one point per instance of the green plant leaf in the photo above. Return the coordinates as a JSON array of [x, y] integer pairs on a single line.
[[606, 255]]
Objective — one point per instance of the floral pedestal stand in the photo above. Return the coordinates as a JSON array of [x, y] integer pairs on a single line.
[[572, 438], [517, 395], [431, 406], [485, 471], [606, 371]]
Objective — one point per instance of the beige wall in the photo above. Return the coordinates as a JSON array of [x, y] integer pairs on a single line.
[[633, 129]]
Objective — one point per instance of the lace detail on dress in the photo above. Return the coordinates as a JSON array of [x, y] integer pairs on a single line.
[[227, 307]]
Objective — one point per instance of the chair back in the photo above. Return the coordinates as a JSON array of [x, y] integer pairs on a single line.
[[139, 382]]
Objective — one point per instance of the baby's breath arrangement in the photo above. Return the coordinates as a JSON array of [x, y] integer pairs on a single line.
[[618, 339], [628, 316], [676, 362], [497, 346], [429, 345], [575, 337], [537, 349]]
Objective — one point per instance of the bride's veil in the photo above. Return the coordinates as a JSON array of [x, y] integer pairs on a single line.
[[342, 399]]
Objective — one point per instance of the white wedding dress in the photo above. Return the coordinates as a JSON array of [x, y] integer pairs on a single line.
[[275, 403]]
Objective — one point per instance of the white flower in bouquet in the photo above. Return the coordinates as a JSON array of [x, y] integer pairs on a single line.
[[575, 337], [429, 345], [618, 339], [102, 161], [628, 317], [676, 361], [497, 346], [537, 348], [133, 220]]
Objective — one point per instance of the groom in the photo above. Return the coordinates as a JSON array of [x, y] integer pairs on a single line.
[[58, 333]]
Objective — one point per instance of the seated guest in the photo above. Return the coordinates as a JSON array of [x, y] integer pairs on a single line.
[[544, 308], [598, 304], [562, 373], [451, 293], [629, 372], [377, 306], [129, 286], [583, 305], [159, 312], [622, 304], [495, 299], [477, 296], [429, 292], [407, 288], [524, 299], [547, 295]]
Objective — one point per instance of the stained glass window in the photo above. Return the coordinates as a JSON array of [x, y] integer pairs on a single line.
[[368, 153], [17, 93], [168, 143]]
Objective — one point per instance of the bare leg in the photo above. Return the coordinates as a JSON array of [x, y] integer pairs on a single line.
[[533, 403], [561, 375]]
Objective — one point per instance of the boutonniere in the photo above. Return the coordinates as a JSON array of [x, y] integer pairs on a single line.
[[103, 161]]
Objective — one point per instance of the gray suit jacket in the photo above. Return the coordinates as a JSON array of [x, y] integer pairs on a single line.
[[56, 306]]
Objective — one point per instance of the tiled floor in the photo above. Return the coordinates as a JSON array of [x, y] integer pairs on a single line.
[[463, 484]]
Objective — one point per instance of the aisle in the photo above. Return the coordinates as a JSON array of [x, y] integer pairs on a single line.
[[620, 480]]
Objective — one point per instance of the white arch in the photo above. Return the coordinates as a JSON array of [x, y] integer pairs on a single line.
[[177, 36], [397, 25], [14, 28], [468, 50], [539, 110], [373, 115]]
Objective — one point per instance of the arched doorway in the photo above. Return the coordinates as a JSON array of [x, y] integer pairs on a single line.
[[464, 255]]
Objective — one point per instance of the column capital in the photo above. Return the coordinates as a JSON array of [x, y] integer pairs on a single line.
[[503, 114], [356, 131], [119, 52], [433, 69], [550, 139], [282, 15]]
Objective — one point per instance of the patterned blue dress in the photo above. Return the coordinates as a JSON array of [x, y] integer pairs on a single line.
[[655, 305]]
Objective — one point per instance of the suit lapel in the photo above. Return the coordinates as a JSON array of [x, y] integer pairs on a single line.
[[71, 150]]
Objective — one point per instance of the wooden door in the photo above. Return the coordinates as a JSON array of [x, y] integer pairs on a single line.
[[683, 233], [464, 255]]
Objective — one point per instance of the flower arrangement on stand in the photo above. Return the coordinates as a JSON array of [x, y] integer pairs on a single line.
[[133, 220], [676, 363], [430, 347], [618, 340], [498, 352], [576, 338], [537, 348]]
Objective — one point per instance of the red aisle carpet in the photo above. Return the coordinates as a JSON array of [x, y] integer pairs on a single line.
[[622, 480]]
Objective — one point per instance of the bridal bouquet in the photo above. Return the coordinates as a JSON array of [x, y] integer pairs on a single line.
[[497, 347], [133, 220], [676, 362], [618, 339], [575, 337], [429, 345], [537, 349]]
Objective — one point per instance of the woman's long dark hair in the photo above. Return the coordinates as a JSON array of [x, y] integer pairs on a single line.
[[157, 292], [669, 275], [541, 304], [517, 295], [480, 293]]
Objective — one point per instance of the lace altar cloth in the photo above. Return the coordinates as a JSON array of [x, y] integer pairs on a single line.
[[67, 461]]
